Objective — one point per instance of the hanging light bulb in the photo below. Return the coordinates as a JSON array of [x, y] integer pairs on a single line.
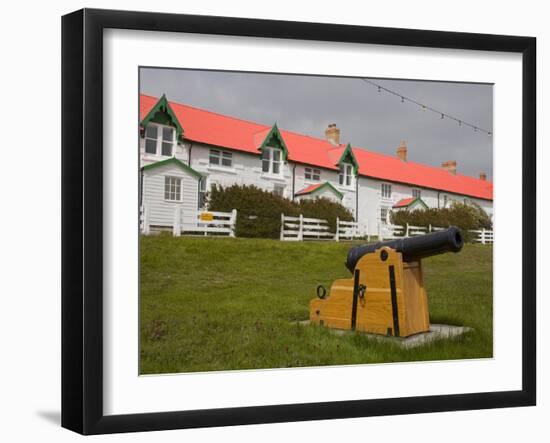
[[442, 116], [378, 88], [423, 107], [402, 100]]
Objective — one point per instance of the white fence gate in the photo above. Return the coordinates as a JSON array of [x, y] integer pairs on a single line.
[[303, 228], [350, 230], [204, 222]]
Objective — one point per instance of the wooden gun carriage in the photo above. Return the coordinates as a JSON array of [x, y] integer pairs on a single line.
[[386, 294]]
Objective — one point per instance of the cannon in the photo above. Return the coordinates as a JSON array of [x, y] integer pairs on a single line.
[[386, 294]]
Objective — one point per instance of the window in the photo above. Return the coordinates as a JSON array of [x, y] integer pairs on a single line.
[[445, 201], [313, 174], [271, 161], [416, 193], [221, 158], [202, 192], [160, 140], [386, 190], [279, 190], [172, 189], [345, 175], [384, 213]]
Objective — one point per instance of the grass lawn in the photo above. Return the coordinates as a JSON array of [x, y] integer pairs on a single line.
[[211, 304]]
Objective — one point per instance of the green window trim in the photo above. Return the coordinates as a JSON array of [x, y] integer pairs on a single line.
[[163, 106], [348, 153], [175, 161], [274, 139]]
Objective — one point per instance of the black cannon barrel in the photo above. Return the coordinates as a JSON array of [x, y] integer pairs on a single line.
[[412, 248]]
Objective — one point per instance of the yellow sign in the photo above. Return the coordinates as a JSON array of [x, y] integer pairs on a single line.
[[207, 216]]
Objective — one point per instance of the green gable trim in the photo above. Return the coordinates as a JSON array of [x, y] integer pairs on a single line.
[[275, 140], [324, 185], [162, 113], [175, 161], [417, 199], [348, 155]]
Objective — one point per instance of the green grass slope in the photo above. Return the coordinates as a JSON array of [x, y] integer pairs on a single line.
[[210, 304]]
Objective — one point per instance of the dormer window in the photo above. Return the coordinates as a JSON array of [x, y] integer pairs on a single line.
[[345, 176], [160, 140], [271, 160]]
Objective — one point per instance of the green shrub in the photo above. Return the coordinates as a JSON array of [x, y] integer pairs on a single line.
[[464, 215], [259, 212]]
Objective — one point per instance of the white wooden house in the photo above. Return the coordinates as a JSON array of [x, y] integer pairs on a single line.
[[189, 149]]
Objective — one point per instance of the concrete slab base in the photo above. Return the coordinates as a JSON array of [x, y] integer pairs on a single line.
[[437, 332]]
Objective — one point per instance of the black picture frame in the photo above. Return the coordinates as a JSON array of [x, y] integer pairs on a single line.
[[82, 218]]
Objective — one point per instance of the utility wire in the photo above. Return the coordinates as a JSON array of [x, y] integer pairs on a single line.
[[424, 107]]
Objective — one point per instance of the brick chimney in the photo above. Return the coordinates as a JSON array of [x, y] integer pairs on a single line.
[[482, 176], [449, 165], [332, 134], [402, 151]]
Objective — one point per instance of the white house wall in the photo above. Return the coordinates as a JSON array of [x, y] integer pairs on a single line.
[[161, 211], [246, 170]]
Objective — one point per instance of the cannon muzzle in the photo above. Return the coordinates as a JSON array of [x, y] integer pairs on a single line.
[[412, 248]]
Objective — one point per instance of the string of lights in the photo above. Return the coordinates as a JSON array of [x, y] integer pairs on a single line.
[[425, 107]]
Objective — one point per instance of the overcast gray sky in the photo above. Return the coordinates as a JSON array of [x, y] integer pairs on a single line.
[[374, 120]]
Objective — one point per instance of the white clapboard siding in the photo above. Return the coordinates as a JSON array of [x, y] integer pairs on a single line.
[[161, 211], [192, 223]]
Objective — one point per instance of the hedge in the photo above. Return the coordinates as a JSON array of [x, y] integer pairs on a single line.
[[464, 215], [259, 212]]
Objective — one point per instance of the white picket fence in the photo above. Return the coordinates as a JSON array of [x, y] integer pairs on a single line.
[[204, 222], [387, 232], [193, 222], [484, 236], [144, 226], [350, 230], [303, 228]]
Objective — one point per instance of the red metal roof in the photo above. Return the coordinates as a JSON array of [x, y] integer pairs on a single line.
[[229, 132], [309, 189], [404, 202]]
